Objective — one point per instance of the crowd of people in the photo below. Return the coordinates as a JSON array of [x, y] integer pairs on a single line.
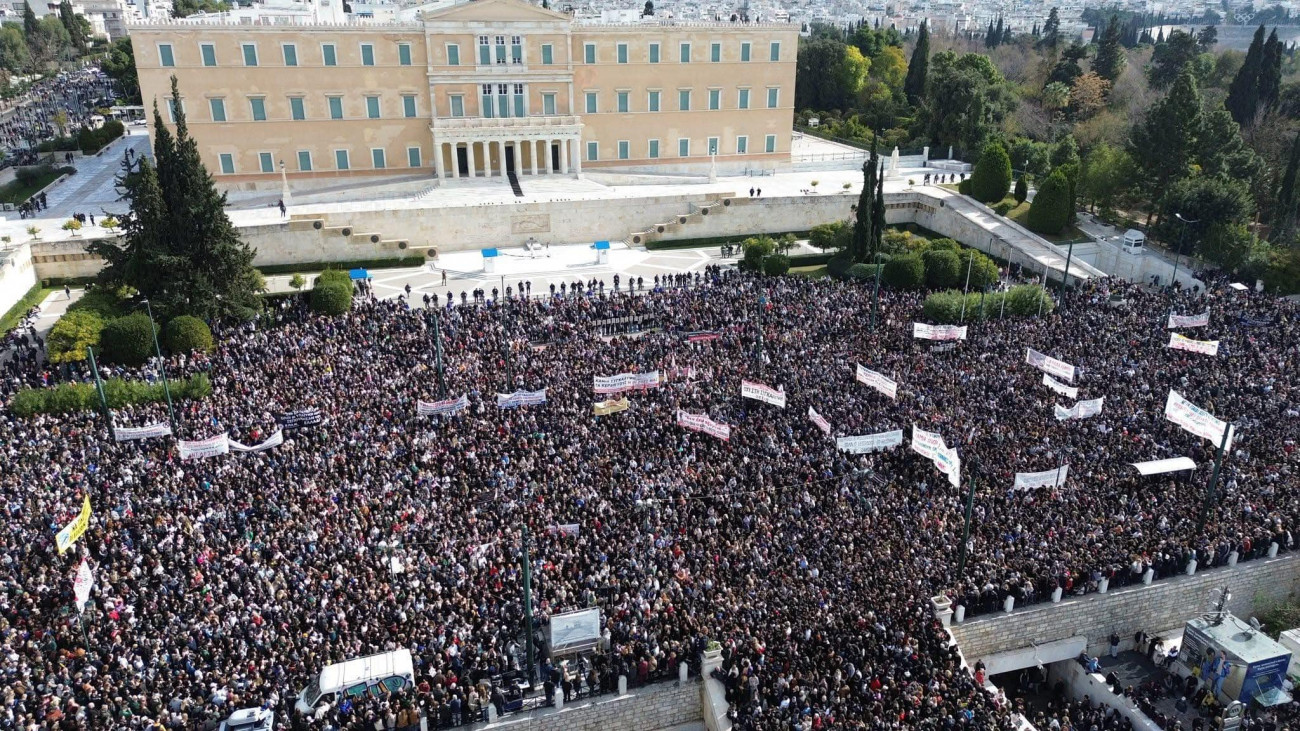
[[231, 581], [53, 106]]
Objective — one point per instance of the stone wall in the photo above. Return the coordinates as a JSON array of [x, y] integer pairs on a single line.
[[661, 706], [17, 276], [1160, 606]]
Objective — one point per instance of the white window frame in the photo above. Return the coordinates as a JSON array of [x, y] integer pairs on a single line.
[[347, 158], [324, 58], [449, 47], [302, 101], [379, 106], [715, 46], [769, 144], [654, 100], [688, 106], [593, 146], [311, 164], [218, 100], [361, 48], [516, 41], [687, 140], [252, 113], [203, 59], [419, 156], [589, 56], [284, 47], [590, 102], [623, 101], [773, 104], [624, 148], [621, 54], [684, 52], [746, 51], [451, 104], [414, 110], [243, 51], [221, 163], [548, 49], [263, 156], [410, 60], [382, 154], [654, 53], [329, 106], [652, 149], [713, 145], [742, 141], [549, 96], [171, 50], [715, 99], [742, 97], [774, 51]]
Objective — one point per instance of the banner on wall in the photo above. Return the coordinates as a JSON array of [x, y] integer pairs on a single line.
[[1050, 478], [1061, 388], [821, 423], [870, 442], [74, 530], [274, 440], [1196, 420], [878, 381], [759, 392], [702, 423], [1080, 410], [1048, 364], [605, 408], [434, 408], [1206, 347], [521, 398], [203, 448], [625, 382], [1177, 321], [132, 433], [938, 332]]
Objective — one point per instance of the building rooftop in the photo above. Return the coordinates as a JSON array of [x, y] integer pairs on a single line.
[[1241, 639]]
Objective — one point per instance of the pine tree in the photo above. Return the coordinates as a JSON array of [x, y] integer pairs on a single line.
[[143, 259], [1270, 73], [1051, 31], [73, 26], [1243, 92], [1284, 213], [1164, 144], [1110, 60], [30, 23], [917, 70]]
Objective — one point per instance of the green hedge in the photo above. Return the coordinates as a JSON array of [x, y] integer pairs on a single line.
[[717, 240], [73, 397], [404, 262], [72, 334], [776, 265], [904, 272], [106, 302], [839, 265], [331, 298], [92, 141], [58, 144], [186, 334], [129, 340], [943, 268], [34, 296], [811, 260], [333, 276], [1021, 301], [863, 272]]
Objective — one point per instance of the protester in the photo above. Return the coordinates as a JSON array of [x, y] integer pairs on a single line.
[[229, 582]]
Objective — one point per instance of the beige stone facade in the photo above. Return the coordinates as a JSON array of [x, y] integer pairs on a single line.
[[472, 90]]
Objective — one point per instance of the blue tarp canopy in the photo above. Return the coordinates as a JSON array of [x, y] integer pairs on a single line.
[[599, 245], [359, 274], [489, 253]]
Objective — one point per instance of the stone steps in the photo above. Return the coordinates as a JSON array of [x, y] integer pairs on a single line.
[[662, 229]]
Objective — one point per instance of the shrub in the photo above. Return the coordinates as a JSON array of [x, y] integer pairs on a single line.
[[29, 174], [129, 340], [756, 249], [810, 260], [839, 265], [110, 222], [943, 268], [72, 334], [1004, 206], [942, 307], [836, 235], [904, 272], [1022, 190], [964, 187], [297, 282], [73, 397], [106, 302], [776, 265], [72, 224], [992, 177], [58, 144], [1021, 301], [186, 334], [863, 272], [92, 141], [334, 275], [983, 270], [1050, 209], [331, 298], [940, 244]]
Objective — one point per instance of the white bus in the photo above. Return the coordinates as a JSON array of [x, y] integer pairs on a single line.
[[375, 675]]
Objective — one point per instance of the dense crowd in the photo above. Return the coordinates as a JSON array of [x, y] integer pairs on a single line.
[[34, 117], [230, 581]]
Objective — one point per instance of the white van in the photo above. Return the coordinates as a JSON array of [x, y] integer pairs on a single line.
[[375, 675]]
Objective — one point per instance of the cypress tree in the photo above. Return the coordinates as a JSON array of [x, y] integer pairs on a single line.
[[69, 20], [1110, 61], [878, 210], [1243, 92], [918, 68], [1051, 31], [862, 226], [988, 36], [1284, 214], [1270, 73], [998, 33]]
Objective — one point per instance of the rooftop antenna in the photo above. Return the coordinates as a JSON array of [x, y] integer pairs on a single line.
[[1219, 599]]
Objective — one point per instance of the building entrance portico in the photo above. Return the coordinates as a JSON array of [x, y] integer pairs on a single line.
[[478, 147]]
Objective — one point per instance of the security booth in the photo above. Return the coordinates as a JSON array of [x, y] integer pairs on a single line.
[[602, 252], [489, 260], [1134, 241], [356, 274], [1240, 662]]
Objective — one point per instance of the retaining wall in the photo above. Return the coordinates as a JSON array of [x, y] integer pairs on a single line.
[[660, 706], [17, 276], [1164, 604]]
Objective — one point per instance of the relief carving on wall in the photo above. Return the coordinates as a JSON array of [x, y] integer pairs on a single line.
[[530, 223]]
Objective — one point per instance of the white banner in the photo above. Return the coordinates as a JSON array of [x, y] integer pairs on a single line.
[[204, 448], [700, 422], [132, 433], [626, 382], [878, 381], [81, 585], [938, 332], [821, 423], [1080, 410], [1161, 466], [870, 442], [1196, 420], [1177, 321], [1207, 347], [274, 440], [565, 529], [928, 444], [1061, 388], [950, 464], [521, 398], [1050, 478], [1048, 364], [759, 392], [434, 408]]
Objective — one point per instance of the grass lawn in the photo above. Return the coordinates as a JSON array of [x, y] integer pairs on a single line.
[[16, 192], [34, 297], [813, 272], [1020, 214]]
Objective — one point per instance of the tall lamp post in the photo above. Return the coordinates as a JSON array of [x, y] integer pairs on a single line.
[[1065, 275], [1182, 240], [285, 195], [162, 366], [970, 506]]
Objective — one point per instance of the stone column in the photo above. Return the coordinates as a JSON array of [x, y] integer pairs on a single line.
[[577, 156], [564, 156], [501, 158], [438, 168], [532, 153], [473, 159]]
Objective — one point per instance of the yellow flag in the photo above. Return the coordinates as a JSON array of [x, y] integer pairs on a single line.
[[74, 530]]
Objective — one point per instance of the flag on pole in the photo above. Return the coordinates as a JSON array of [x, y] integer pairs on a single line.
[[821, 423], [74, 530], [82, 584], [1196, 420]]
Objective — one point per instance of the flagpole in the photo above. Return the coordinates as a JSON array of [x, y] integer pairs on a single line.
[[875, 292], [970, 506], [437, 338], [528, 609], [969, 264], [99, 386], [1214, 479]]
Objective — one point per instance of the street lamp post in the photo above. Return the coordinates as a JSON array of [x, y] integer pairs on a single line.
[[162, 366], [875, 292], [970, 507], [528, 610], [1065, 275], [1182, 239], [1214, 479], [285, 195]]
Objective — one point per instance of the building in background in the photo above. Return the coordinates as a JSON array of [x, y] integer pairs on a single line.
[[474, 90]]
